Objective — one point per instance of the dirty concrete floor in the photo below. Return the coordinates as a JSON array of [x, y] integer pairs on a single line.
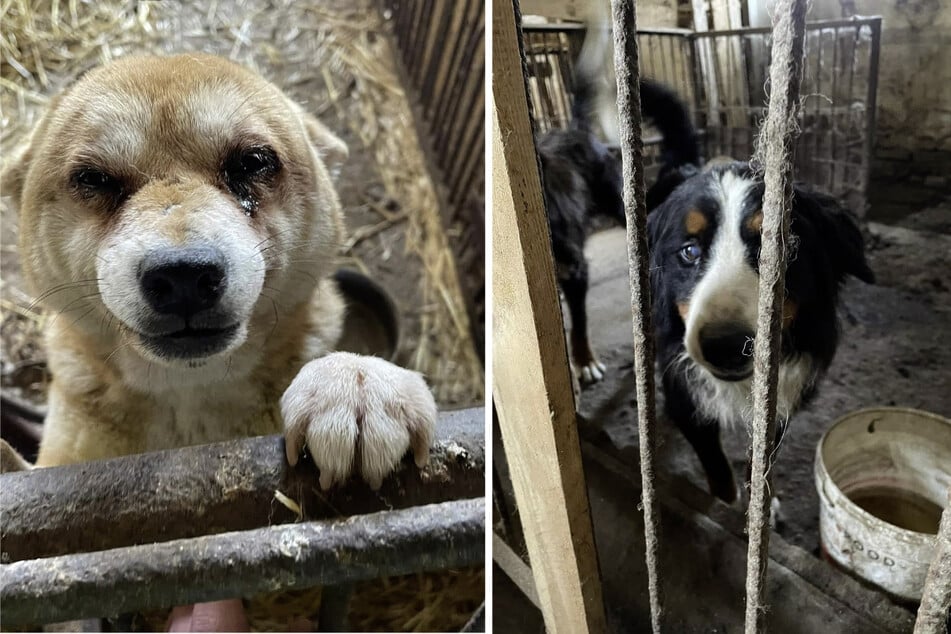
[[893, 352]]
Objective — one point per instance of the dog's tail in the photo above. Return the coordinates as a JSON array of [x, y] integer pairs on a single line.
[[595, 96], [669, 114]]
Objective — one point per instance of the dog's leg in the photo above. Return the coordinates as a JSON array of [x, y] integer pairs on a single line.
[[703, 435], [575, 287], [357, 414]]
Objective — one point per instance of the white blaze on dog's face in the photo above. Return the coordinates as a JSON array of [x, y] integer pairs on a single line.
[[171, 204], [720, 313]]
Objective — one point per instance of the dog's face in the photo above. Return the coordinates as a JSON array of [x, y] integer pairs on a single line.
[[705, 244], [163, 199]]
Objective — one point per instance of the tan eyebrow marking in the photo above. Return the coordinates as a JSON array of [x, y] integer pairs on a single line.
[[755, 222], [695, 222]]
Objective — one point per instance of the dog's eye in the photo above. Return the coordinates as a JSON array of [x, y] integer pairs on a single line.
[[253, 163], [92, 181], [247, 171], [691, 252]]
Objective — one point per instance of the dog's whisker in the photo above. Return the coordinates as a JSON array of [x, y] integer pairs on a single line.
[[81, 317], [60, 288], [117, 349], [68, 307]]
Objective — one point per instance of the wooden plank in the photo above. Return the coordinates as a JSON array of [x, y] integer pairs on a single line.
[[704, 53], [531, 382], [557, 9], [515, 568], [727, 17]]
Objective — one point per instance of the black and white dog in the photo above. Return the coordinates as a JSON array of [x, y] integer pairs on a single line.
[[582, 179], [704, 243], [704, 237]]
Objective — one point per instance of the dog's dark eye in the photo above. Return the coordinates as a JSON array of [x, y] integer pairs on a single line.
[[92, 181], [255, 162], [246, 171], [252, 164], [691, 252]]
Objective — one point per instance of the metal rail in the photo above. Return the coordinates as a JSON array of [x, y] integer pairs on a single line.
[[215, 488], [180, 572]]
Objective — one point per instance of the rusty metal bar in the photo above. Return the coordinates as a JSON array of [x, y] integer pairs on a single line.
[[215, 488], [179, 572], [335, 608], [810, 26], [871, 100]]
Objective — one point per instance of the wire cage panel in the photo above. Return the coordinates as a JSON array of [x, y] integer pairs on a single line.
[[722, 76], [442, 50]]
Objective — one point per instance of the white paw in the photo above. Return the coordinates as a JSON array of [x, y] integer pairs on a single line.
[[776, 517], [357, 414], [592, 372]]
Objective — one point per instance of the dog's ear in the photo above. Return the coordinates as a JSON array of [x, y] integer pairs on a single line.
[[17, 164], [331, 149], [836, 232], [13, 176]]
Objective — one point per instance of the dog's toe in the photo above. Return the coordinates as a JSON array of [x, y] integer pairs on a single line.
[[592, 372], [357, 413]]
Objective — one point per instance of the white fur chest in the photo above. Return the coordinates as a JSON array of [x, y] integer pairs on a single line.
[[731, 402], [198, 416]]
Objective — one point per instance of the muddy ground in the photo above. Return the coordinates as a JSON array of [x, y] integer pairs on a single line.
[[893, 352]]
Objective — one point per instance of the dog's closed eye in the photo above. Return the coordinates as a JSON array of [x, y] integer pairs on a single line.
[[92, 182]]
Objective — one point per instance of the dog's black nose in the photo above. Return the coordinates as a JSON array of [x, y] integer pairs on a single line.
[[183, 281], [729, 349]]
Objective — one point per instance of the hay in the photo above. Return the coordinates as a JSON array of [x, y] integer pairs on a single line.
[[331, 58]]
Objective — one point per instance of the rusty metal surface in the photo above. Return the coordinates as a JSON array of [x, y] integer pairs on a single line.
[[215, 488], [245, 563]]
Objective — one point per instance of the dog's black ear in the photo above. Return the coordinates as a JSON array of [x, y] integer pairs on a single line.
[[836, 232]]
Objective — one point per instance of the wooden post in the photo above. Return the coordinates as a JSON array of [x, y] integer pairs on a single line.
[[531, 382], [704, 54], [727, 16]]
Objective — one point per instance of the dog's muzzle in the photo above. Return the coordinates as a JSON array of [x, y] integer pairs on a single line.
[[727, 350], [184, 287]]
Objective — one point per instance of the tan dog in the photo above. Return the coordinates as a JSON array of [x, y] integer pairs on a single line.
[[177, 215]]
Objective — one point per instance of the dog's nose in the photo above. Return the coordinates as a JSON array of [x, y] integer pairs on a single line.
[[183, 281], [728, 348]]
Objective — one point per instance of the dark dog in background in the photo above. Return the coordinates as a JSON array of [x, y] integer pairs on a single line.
[[582, 179]]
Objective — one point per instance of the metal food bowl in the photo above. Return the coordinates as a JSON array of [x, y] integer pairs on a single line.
[[371, 324], [883, 476]]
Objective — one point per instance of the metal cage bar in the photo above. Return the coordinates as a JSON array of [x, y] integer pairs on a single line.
[[841, 165]]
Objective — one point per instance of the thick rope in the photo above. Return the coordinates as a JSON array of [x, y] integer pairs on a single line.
[[632, 153], [936, 596], [773, 156]]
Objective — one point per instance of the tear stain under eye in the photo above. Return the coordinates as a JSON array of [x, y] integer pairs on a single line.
[[249, 205]]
